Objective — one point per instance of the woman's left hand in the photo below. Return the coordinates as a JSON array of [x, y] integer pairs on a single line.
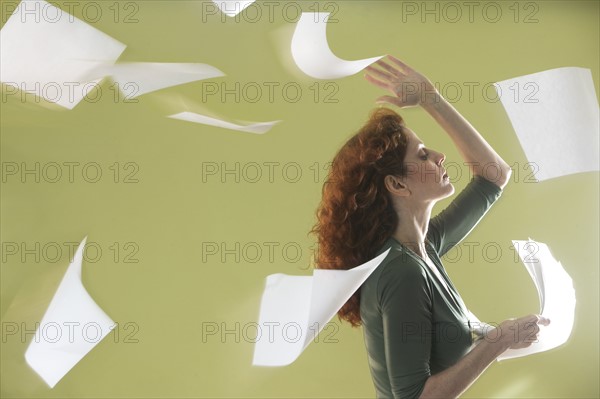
[[409, 87]]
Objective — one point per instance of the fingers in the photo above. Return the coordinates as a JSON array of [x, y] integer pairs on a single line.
[[390, 100], [544, 321], [532, 325], [403, 67], [376, 82], [394, 71], [524, 331], [379, 74], [540, 320], [400, 80], [532, 329]]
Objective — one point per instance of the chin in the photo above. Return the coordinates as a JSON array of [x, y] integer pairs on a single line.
[[445, 192], [449, 190]]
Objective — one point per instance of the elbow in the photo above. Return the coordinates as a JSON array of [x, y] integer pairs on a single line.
[[436, 388], [416, 390], [499, 174], [504, 176]]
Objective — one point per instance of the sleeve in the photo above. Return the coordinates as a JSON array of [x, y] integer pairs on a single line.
[[455, 222], [406, 306]]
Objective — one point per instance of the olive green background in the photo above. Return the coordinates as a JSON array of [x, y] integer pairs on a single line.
[[164, 210]]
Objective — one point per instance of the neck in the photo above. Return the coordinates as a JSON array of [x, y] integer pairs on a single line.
[[412, 226]]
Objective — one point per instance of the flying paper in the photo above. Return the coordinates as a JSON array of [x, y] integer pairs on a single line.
[[312, 54], [231, 8], [72, 325], [50, 53], [137, 78], [258, 128], [294, 309], [555, 115], [556, 293]]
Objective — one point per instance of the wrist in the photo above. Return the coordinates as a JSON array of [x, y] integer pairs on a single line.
[[432, 101], [495, 346]]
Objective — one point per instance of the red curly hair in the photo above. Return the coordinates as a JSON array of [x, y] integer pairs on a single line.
[[356, 216]]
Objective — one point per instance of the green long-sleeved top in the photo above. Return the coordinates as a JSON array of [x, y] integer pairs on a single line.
[[413, 325]]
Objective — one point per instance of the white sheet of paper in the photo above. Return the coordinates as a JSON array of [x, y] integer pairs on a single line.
[[556, 118], [312, 54], [557, 297], [137, 78], [48, 52], [231, 8], [257, 128], [72, 325], [294, 309]]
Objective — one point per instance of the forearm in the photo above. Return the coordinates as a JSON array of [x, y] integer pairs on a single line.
[[476, 152], [453, 381]]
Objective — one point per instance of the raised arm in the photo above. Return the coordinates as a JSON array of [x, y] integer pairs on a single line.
[[410, 88]]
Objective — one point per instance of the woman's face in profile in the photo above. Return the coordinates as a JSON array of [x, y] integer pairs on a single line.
[[426, 176]]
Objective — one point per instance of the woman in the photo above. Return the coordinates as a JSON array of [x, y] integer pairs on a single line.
[[379, 194]]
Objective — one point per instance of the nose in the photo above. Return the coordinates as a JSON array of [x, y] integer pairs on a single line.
[[441, 159]]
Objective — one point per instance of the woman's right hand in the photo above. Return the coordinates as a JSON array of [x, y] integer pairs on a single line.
[[519, 333]]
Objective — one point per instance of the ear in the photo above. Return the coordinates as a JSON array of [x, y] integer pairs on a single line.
[[396, 186]]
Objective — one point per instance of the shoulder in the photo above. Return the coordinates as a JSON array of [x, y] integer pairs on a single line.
[[398, 281], [402, 275], [397, 265], [402, 269]]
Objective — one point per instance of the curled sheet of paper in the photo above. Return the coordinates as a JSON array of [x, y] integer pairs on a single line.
[[231, 8], [137, 78], [72, 325], [556, 293], [50, 53], [294, 309], [312, 54], [257, 128], [556, 118]]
